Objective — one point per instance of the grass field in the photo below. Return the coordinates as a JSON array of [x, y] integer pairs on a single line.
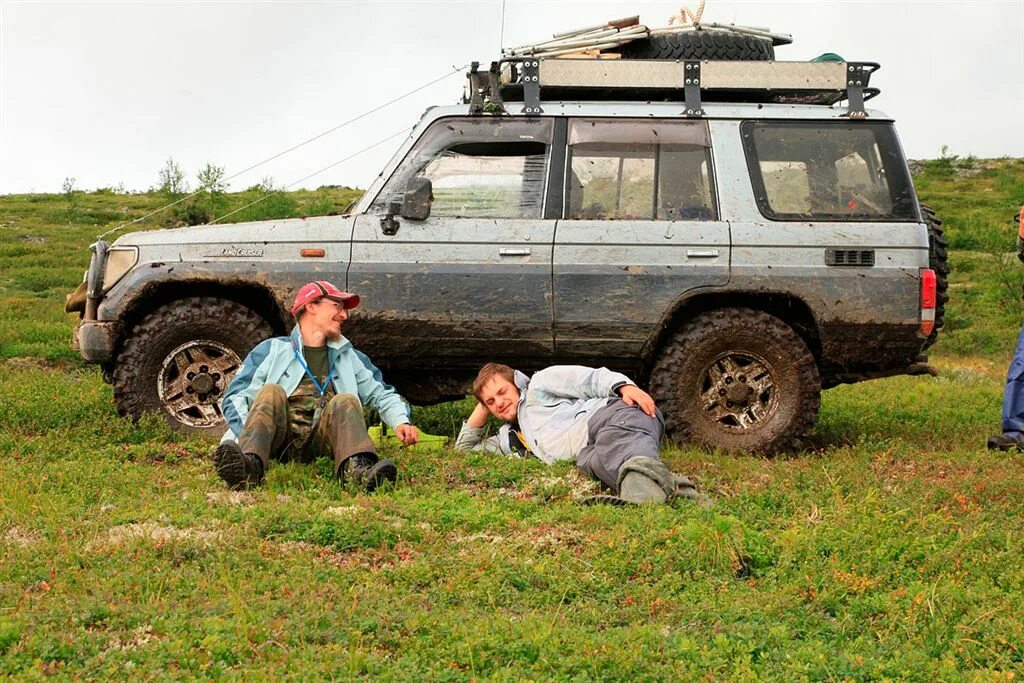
[[890, 550]]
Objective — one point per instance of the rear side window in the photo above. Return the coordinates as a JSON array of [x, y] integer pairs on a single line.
[[828, 171], [639, 170]]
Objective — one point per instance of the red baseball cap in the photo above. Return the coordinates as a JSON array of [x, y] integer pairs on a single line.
[[322, 289]]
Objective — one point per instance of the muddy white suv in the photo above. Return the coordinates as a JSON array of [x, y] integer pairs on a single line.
[[723, 231]]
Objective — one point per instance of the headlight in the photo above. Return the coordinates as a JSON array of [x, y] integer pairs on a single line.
[[119, 261]]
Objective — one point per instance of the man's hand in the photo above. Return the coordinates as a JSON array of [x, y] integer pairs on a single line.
[[407, 434], [479, 417], [633, 395]]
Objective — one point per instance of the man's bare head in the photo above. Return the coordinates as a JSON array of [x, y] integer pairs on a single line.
[[495, 388]]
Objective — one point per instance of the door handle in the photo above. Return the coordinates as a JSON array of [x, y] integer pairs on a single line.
[[513, 252], [701, 253]]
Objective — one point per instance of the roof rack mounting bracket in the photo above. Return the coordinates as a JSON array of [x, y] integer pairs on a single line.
[[531, 87], [858, 76], [484, 93], [476, 101], [691, 88]]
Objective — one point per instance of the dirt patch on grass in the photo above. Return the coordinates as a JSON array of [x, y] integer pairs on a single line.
[[572, 486], [969, 368], [20, 537], [232, 498], [344, 511], [141, 636], [30, 363], [156, 533]]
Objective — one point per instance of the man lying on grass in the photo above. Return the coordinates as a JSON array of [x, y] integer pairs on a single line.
[[302, 396], [599, 418]]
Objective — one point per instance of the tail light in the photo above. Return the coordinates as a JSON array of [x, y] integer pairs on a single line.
[[928, 299]]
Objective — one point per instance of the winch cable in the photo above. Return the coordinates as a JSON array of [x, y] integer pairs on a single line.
[[314, 173], [454, 70]]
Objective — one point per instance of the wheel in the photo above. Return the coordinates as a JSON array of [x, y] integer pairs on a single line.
[[739, 379], [179, 360], [938, 260], [700, 45]]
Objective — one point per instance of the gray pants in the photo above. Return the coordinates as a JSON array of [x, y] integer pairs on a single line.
[[618, 433]]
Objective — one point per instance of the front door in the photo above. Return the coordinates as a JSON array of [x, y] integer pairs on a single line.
[[472, 281]]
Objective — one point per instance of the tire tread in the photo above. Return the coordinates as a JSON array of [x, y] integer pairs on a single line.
[[664, 376]]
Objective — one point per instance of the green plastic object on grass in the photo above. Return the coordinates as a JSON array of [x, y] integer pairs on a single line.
[[381, 436]]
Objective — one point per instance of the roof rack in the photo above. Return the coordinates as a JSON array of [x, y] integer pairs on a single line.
[[533, 80]]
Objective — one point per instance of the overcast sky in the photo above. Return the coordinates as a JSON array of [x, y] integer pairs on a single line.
[[106, 92]]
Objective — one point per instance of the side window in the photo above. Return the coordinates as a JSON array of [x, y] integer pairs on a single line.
[[639, 170], [827, 170], [478, 168], [489, 180]]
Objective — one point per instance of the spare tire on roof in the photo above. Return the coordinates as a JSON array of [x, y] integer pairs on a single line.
[[700, 45]]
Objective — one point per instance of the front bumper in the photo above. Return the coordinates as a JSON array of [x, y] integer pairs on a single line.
[[96, 340]]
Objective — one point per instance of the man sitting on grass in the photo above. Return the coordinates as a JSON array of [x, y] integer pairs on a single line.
[[599, 418], [302, 396]]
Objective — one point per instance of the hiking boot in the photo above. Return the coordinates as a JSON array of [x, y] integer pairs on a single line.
[[238, 470], [1005, 442], [367, 471], [640, 489], [685, 487]]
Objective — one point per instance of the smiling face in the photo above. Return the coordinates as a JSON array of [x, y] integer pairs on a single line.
[[326, 316], [501, 397]]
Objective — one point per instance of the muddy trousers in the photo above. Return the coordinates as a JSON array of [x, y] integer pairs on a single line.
[[618, 433], [340, 433], [1013, 395]]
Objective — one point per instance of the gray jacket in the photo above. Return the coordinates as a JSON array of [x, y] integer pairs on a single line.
[[554, 408]]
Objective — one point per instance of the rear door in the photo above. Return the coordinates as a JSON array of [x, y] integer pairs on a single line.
[[641, 230], [472, 281]]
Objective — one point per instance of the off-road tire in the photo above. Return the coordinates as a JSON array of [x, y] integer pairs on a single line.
[[700, 45], [200, 327], [783, 391], [938, 260]]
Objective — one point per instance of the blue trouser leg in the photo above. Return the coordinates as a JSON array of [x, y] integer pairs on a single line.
[[618, 432], [1013, 396]]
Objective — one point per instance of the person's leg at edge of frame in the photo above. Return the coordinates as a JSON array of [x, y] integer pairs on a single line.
[[264, 434], [342, 433], [623, 453], [1012, 436]]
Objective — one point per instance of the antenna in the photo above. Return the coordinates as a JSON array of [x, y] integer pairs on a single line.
[[501, 34]]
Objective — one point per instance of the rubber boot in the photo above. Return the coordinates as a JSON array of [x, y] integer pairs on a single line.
[[639, 489], [238, 470], [685, 488], [367, 471]]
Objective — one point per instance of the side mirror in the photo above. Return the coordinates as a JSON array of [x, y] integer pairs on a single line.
[[419, 192]]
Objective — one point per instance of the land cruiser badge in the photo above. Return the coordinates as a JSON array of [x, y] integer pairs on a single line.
[[236, 252]]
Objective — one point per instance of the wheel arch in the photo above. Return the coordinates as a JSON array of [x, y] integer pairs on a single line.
[[792, 310], [154, 295]]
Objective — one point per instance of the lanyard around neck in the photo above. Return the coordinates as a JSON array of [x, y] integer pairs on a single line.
[[327, 380]]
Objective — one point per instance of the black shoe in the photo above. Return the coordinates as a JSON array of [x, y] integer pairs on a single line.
[[238, 470], [606, 499], [1005, 442], [367, 471]]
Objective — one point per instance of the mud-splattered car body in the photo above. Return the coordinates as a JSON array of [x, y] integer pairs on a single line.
[[595, 234]]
